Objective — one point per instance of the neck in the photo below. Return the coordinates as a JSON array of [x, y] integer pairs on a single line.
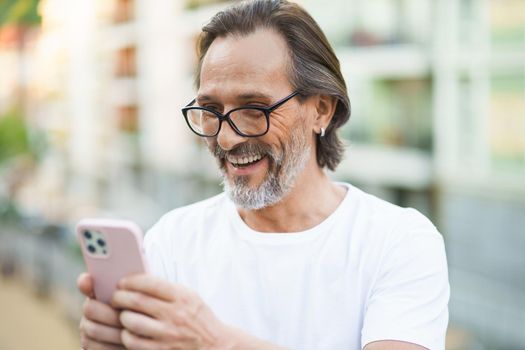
[[312, 200]]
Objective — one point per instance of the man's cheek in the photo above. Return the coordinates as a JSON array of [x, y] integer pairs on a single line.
[[211, 144]]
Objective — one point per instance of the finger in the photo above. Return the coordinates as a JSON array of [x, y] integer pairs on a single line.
[[141, 325], [100, 332], [150, 285], [99, 312], [93, 345], [135, 342], [85, 285], [89, 344], [135, 301]]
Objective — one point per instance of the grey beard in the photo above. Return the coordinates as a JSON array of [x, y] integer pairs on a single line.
[[278, 182]]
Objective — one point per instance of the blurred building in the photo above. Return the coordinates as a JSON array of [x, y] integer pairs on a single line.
[[110, 79], [438, 122]]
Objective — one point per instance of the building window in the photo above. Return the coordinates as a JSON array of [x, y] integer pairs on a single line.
[[126, 62], [128, 119], [124, 10]]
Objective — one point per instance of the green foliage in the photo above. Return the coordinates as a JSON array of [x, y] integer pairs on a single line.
[[24, 12], [13, 136], [9, 213]]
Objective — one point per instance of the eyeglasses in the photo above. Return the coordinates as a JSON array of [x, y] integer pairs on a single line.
[[247, 121]]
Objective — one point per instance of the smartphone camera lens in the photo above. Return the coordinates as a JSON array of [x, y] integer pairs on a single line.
[[88, 235], [91, 248], [101, 242]]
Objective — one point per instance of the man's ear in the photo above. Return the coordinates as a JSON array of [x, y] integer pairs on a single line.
[[325, 107]]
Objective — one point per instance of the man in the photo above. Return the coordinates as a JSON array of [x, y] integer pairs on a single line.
[[285, 257]]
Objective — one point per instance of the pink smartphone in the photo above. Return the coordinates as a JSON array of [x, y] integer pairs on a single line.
[[112, 249]]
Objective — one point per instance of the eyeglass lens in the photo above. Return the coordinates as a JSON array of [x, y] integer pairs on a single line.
[[248, 121]]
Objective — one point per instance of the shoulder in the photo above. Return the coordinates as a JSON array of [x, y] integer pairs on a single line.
[[398, 239], [387, 221], [386, 235]]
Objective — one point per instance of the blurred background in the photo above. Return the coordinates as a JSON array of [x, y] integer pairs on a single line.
[[90, 125]]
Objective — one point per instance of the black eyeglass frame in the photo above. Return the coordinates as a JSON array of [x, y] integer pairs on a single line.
[[226, 117]]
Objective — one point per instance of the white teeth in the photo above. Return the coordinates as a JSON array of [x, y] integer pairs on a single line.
[[244, 160]]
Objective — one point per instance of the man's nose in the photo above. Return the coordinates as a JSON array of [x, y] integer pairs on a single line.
[[227, 138]]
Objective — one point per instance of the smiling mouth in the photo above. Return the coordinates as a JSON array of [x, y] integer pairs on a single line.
[[246, 161]]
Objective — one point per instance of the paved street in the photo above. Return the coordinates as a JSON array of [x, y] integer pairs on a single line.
[[27, 322]]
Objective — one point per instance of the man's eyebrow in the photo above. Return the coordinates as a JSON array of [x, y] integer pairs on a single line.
[[244, 96], [204, 98], [251, 95]]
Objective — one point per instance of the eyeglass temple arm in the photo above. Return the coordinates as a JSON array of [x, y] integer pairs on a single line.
[[191, 103], [284, 100]]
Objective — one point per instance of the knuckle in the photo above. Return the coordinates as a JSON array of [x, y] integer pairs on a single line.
[[90, 329], [172, 333], [178, 290], [88, 308], [197, 306], [180, 317], [157, 284], [136, 300]]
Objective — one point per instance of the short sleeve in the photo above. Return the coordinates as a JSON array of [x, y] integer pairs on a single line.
[[158, 259], [409, 299]]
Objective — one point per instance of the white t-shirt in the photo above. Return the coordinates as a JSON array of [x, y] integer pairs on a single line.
[[370, 271]]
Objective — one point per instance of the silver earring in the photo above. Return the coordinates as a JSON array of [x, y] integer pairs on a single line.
[[322, 132]]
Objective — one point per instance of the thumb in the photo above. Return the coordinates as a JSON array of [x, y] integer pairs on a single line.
[[85, 285]]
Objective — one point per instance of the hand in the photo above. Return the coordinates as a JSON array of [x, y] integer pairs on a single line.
[[100, 328], [160, 315]]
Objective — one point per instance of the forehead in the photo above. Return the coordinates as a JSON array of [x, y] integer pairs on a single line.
[[236, 63]]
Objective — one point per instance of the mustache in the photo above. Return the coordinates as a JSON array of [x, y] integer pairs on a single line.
[[242, 149]]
